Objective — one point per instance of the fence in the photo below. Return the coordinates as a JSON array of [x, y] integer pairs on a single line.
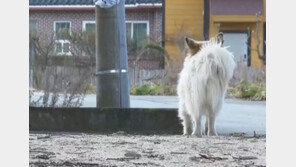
[[61, 75], [139, 77]]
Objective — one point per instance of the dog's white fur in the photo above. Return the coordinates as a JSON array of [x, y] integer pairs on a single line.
[[202, 85]]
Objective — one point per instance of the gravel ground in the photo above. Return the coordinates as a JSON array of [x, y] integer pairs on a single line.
[[120, 149]]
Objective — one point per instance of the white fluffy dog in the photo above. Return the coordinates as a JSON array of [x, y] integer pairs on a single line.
[[202, 84]]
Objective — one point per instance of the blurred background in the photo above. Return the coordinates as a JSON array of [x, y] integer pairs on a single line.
[[62, 48]]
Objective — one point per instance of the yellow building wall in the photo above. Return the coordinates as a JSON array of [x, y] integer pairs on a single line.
[[182, 18]]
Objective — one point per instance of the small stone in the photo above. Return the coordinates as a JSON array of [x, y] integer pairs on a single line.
[[244, 157], [42, 156], [120, 133], [193, 158], [132, 154], [161, 157], [43, 137]]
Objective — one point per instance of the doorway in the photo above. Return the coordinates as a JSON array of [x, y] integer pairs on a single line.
[[238, 43]]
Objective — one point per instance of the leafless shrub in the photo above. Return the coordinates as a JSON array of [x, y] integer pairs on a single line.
[[256, 35], [172, 67], [61, 81], [147, 49], [249, 74]]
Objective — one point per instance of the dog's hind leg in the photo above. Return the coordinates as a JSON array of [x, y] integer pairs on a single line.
[[207, 126], [186, 121], [197, 126], [211, 125]]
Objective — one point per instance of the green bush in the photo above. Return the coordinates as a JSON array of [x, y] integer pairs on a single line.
[[247, 90], [243, 90], [148, 89], [140, 90]]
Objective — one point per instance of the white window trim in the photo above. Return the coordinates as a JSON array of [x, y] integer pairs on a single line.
[[63, 41], [86, 22], [64, 53], [138, 21]]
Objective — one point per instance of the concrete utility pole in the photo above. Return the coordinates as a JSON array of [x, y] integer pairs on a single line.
[[111, 55]]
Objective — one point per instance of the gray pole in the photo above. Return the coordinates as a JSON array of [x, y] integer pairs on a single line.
[[111, 57]]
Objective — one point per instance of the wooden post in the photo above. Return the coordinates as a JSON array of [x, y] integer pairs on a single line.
[[111, 56]]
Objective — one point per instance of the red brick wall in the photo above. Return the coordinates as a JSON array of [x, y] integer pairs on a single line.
[[45, 19]]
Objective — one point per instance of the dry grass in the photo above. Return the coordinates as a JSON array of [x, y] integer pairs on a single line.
[[248, 83], [249, 74], [247, 90]]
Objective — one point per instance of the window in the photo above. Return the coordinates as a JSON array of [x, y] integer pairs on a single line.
[[89, 27], [33, 27], [62, 31], [137, 30]]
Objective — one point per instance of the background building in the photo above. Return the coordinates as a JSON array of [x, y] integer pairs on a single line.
[[48, 17], [243, 23]]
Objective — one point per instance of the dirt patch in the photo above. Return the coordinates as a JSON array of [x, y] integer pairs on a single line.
[[64, 149]]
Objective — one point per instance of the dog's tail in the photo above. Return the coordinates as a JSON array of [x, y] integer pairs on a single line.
[[214, 66], [219, 63]]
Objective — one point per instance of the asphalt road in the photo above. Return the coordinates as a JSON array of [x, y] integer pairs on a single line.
[[236, 116]]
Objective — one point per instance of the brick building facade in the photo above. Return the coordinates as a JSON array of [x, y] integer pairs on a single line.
[[45, 20], [45, 16]]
